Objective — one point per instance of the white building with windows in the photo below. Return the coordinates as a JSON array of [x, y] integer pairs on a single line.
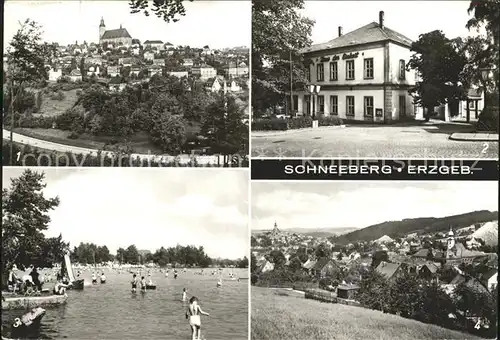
[[361, 76]]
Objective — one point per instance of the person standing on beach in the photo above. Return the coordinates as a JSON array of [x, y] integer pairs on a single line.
[[143, 284], [194, 313], [184, 294]]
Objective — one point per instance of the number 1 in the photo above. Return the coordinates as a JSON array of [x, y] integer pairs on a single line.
[[18, 155]]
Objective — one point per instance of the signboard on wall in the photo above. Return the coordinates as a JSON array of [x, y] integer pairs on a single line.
[[378, 112]]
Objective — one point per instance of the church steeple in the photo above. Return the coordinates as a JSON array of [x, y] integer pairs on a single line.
[[102, 29]]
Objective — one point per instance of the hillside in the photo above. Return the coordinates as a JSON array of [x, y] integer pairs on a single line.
[[315, 232], [275, 315], [488, 233], [417, 225]]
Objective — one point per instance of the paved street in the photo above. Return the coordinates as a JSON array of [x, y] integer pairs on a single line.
[[18, 138], [430, 140]]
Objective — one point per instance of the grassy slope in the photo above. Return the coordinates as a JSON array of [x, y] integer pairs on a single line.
[[276, 316], [56, 107]]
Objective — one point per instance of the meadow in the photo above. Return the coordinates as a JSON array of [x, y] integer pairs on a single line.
[[279, 314]]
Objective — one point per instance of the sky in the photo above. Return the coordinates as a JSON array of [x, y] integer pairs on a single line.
[[410, 18], [149, 207], [361, 204], [218, 24]]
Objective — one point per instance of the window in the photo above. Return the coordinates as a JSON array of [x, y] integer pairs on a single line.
[[334, 105], [369, 68], [321, 104], [350, 105], [472, 104], [402, 69], [308, 73], [368, 110], [333, 70], [307, 105], [349, 70], [320, 72], [402, 106], [295, 104]]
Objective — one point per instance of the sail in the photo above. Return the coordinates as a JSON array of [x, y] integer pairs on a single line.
[[69, 268]]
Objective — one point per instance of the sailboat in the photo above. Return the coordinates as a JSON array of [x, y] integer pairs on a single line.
[[67, 269]]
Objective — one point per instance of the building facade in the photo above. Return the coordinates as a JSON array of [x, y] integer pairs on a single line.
[[361, 76], [205, 72], [115, 37]]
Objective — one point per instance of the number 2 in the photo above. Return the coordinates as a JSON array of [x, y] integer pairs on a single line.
[[485, 147]]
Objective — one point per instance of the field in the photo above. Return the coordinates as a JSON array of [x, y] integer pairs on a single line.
[[52, 107], [278, 314]]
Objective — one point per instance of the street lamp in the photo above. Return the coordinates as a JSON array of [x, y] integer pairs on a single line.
[[485, 76], [314, 90]]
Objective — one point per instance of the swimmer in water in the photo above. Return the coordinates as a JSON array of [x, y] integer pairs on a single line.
[[184, 294], [134, 283], [175, 274], [219, 283], [194, 313], [166, 274], [143, 285]]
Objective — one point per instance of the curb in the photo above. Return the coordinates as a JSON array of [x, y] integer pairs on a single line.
[[292, 131], [469, 139]]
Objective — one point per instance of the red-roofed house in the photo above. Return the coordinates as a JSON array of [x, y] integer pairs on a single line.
[[362, 76]]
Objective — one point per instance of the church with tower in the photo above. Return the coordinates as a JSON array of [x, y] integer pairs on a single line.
[[115, 36]]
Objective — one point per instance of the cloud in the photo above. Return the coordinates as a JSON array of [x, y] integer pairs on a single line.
[[360, 205], [152, 208]]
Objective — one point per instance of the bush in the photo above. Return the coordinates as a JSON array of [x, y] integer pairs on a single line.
[[274, 124], [73, 135], [330, 121], [299, 122], [31, 122]]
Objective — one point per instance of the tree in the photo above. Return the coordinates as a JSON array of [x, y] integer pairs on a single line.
[[168, 10], [25, 215], [26, 60], [167, 131], [378, 257], [253, 264], [374, 292], [323, 251], [279, 31], [131, 255], [439, 62], [295, 264], [223, 124], [474, 301], [277, 258], [243, 263]]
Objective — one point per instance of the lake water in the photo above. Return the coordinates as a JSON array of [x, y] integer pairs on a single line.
[[111, 311]]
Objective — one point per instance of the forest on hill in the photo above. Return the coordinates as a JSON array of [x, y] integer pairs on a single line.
[[421, 225]]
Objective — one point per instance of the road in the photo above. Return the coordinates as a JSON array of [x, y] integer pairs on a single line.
[[39, 143], [388, 141]]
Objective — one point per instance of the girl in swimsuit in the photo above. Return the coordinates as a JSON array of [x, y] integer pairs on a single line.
[[194, 313]]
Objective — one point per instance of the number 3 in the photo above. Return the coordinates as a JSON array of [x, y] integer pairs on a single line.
[[485, 147]]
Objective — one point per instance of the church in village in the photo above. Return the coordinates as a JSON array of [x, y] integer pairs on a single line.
[[115, 36]]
